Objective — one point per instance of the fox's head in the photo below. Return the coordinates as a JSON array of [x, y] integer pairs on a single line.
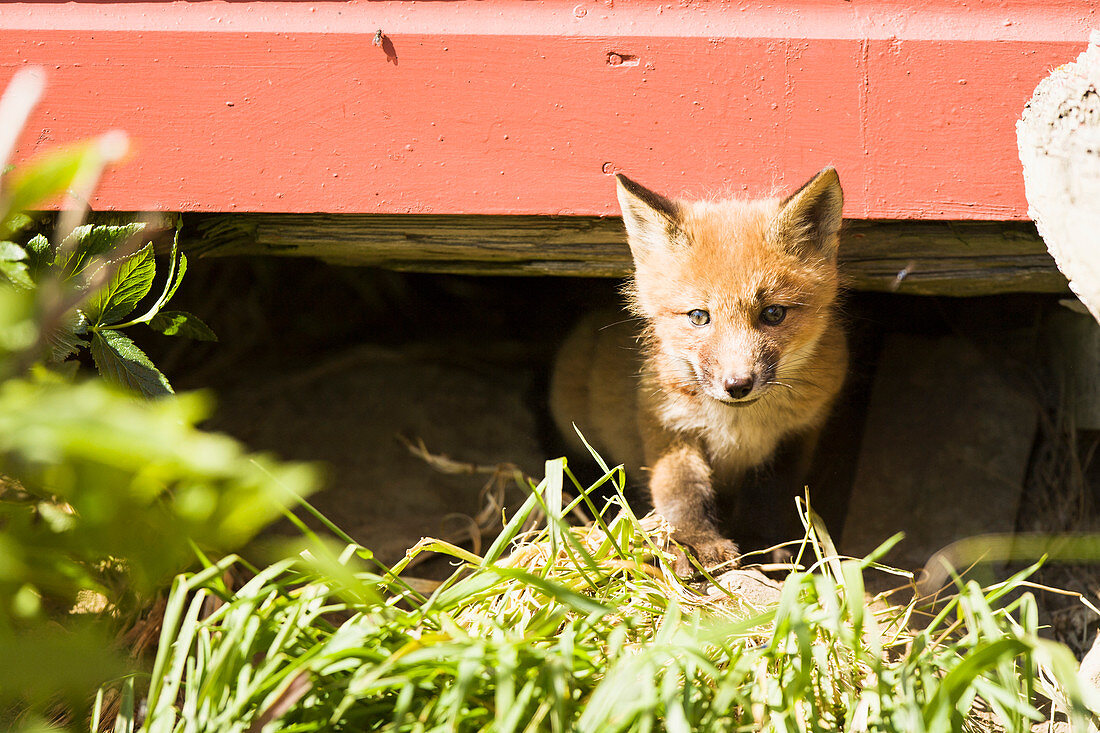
[[736, 294]]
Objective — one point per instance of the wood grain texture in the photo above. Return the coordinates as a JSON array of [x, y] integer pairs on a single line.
[[1059, 141], [508, 107], [942, 258]]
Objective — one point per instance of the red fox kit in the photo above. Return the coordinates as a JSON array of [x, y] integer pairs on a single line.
[[739, 352]]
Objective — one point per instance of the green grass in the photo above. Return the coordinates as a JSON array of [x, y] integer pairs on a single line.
[[586, 628]]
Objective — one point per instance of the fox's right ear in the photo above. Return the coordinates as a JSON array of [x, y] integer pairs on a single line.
[[652, 221]]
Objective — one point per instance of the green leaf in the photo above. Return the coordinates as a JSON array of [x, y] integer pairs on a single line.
[[17, 222], [64, 341], [39, 255], [39, 244], [92, 240], [179, 278], [44, 179], [17, 273], [121, 362], [129, 284], [182, 323], [171, 282], [12, 264], [12, 252]]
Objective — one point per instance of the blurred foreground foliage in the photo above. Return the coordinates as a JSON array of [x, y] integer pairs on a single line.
[[104, 496]]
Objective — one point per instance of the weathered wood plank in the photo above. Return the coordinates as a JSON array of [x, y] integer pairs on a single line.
[[948, 258], [928, 258]]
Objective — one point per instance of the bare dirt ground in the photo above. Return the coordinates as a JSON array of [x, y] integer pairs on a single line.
[[350, 369], [344, 366], [351, 411]]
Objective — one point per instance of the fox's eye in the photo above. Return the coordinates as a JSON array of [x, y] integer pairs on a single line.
[[773, 315], [699, 317]]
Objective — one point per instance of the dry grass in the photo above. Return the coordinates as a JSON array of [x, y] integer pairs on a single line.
[[1061, 498]]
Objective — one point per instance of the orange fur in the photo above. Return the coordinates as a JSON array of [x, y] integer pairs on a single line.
[[678, 404]]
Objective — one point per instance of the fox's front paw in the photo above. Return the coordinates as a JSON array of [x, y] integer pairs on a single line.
[[711, 551]]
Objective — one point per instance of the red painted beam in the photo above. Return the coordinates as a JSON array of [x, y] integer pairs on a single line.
[[510, 107]]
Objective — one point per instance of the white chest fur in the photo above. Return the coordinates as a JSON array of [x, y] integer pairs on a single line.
[[735, 437]]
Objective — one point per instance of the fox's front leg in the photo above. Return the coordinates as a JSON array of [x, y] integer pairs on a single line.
[[683, 493]]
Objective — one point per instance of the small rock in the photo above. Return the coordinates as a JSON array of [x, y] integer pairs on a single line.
[[750, 586]]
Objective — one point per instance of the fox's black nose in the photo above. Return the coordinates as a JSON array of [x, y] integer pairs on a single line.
[[738, 387]]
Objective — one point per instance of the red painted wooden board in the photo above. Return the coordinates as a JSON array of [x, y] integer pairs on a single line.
[[510, 107]]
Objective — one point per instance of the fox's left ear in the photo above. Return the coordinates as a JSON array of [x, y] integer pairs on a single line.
[[809, 219]]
